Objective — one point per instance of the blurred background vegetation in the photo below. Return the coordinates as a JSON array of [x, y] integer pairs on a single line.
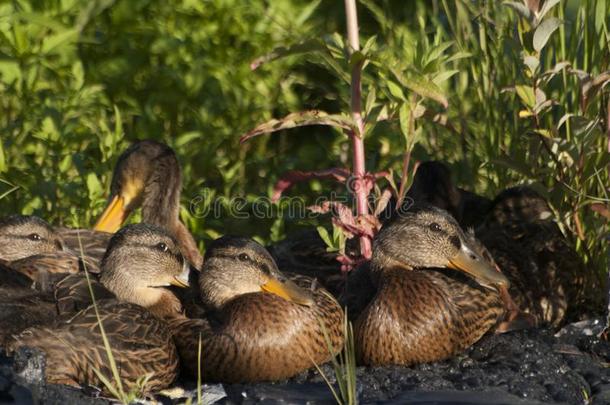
[[466, 82]]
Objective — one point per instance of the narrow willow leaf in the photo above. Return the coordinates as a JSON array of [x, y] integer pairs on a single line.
[[521, 9], [544, 31], [307, 46], [300, 119]]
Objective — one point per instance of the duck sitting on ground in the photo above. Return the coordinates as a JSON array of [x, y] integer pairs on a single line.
[[32, 259], [261, 326], [420, 312], [147, 174], [548, 278], [141, 261]]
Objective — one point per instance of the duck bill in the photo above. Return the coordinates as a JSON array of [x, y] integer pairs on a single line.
[[182, 280], [288, 290], [474, 265], [113, 216]]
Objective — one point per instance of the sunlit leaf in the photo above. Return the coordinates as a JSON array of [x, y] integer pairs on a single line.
[[546, 7], [299, 119], [526, 94], [422, 86], [543, 32], [310, 45]]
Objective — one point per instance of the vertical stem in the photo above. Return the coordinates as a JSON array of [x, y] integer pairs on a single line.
[[357, 138]]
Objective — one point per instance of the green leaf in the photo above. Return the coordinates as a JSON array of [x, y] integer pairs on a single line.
[[444, 76], [307, 12], [396, 90], [94, 186], [325, 236], [521, 9], [3, 167], [546, 7], [526, 94], [422, 86], [437, 52], [544, 31], [307, 46], [61, 39], [532, 62]]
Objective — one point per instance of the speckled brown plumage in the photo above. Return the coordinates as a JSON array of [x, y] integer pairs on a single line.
[[27, 281], [140, 261], [20, 306], [141, 345], [94, 244], [548, 279], [422, 316], [420, 313], [250, 335]]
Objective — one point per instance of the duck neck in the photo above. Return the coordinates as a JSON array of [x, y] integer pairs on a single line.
[[161, 207]]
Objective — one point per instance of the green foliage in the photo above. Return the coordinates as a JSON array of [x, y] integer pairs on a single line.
[[505, 94]]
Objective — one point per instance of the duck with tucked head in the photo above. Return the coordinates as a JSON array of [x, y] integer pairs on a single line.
[[422, 312], [141, 261], [147, 175], [261, 325], [548, 278], [31, 254]]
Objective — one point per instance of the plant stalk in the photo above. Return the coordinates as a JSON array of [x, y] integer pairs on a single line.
[[359, 170]]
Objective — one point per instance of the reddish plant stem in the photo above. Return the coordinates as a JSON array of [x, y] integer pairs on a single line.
[[357, 136]]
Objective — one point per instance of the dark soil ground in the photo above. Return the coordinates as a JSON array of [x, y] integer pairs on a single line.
[[526, 367]]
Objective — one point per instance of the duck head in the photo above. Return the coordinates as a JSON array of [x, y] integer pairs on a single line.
[[519, 204], [22, 236], [428, 237], [141, 260], [236, 265], [148, 174]]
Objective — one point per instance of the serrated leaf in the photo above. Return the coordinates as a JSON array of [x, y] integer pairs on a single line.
[[300, 119], [526, 94], [543, 32]]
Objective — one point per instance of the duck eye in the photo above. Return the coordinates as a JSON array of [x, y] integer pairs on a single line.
[[435, 227], [243, 257], [34, 236], [162, 247]]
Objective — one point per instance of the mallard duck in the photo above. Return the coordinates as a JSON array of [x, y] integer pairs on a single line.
[[432, 184], [548, 279], [147, 174], [261, 326], [141, 261], [420, 312], [32, 255]]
